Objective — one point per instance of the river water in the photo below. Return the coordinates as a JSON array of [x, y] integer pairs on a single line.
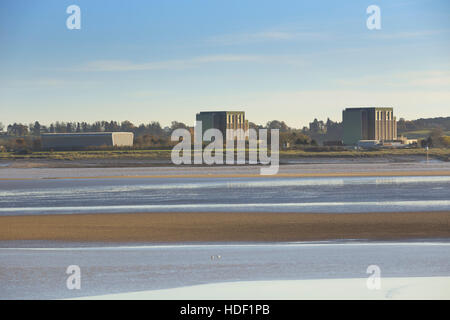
[[346, 194], [37, 270]]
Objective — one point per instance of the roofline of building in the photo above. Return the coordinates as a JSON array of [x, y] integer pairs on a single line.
[[83, 133], [369, 108], [220, 111]]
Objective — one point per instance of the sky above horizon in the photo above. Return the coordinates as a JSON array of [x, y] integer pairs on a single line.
[[288, 60]]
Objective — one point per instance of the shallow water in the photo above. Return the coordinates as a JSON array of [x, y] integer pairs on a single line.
[[347, 194], [36, 270]]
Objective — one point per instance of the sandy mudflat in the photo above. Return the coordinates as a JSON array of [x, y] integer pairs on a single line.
[[413, 288], [256, 175], [179, 227]]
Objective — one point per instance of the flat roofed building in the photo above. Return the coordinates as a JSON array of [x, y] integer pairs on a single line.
[[70, 141], [368, 124], [222, 120]]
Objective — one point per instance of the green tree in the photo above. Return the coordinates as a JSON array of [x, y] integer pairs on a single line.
[[127, 126], [275, 124], [17, 129], [177, 125], [36, 129], [435, 137]]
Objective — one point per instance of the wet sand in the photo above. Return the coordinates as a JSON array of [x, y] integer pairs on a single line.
[[332, 168], [251, 175], [218, 227]]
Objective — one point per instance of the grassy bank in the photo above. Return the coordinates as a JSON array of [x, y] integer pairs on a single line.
[[89, 155], [438, 153]]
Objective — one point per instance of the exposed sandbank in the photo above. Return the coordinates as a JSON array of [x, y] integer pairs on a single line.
[[218, 227]]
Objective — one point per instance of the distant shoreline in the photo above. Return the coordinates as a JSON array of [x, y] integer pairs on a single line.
[[297, 169], [226, 226], [152, 158], [256, 175], [143, 160]]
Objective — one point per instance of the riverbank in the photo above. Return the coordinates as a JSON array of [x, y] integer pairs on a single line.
[[152, 158], [330, 168], [223, 227]]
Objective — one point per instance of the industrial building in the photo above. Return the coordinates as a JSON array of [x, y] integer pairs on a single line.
[[222, 120], [72, 141], [368, 124]]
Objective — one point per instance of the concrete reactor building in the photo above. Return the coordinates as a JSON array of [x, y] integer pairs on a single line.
[[70, 141], [375, 124], [222, 120]]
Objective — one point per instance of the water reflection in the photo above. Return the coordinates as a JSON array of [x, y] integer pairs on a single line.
[[351, 194]]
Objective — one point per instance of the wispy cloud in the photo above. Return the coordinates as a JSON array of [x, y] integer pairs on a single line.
[[176, 64], [180, 64], [429, 78], [249, 38], [439, 78], [46, 82], [409, 34], [407, 102]]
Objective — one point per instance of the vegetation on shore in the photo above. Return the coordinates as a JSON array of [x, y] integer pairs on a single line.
[[164, 154], [152, 142], [153, 135]]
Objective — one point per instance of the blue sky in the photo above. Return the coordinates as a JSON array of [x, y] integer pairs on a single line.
[[166, 60]]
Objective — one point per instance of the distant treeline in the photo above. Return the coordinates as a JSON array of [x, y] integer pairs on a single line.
[[423, 124], [328, 133], [19, 136], [35, 129], [154, 127]]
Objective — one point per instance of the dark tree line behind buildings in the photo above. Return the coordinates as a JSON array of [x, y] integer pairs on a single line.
[[152, 134], [145, 135]]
